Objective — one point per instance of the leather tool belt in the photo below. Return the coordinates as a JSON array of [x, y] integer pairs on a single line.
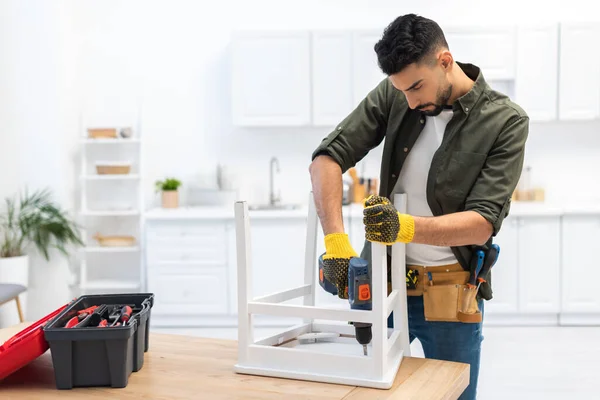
[[446, 295]]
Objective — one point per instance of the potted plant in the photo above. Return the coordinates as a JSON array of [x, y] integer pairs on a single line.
[[170, 192], [32, 219]]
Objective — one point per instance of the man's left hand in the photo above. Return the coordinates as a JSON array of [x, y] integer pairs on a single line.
[[381, 220], [384, 224]]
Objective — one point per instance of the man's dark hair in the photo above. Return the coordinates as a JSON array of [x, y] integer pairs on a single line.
[[408, 39]]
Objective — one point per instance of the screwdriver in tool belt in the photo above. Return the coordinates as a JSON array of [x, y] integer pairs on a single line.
[[475, 271], [490, 260]]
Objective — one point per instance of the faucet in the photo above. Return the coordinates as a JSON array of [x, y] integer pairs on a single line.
[[273, 199]]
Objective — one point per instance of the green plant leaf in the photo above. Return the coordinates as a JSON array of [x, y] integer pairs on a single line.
[[39, 221], [168, 184]]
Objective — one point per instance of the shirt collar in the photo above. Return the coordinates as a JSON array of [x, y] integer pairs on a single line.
[[467, 101]]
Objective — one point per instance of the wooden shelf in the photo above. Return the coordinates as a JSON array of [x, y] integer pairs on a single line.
[[110, 141], [109, 284], [98, 249], [111, 213], [111, 177]]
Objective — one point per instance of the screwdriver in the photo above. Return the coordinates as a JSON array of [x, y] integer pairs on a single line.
[[125, 314], [490, 260], [475, 271]]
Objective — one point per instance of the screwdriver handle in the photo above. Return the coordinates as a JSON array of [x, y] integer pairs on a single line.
[[125, 314], [490, 261], [475, 269], [72, 322]]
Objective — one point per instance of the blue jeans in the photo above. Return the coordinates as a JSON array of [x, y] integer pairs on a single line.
[[449, 341]]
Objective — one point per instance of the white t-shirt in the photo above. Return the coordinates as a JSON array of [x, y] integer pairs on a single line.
[[413, 182]]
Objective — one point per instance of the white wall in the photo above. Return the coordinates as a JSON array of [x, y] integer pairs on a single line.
[[102, 61], [176, 58], [37, 126]]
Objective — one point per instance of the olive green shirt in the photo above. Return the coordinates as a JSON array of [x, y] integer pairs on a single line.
[[476, 167]]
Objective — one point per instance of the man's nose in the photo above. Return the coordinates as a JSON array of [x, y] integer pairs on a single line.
[[412, 102]]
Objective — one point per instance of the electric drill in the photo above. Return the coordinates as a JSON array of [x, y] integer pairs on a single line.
[[359, 294]]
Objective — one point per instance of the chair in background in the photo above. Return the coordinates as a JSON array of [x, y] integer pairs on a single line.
[[10, 292]]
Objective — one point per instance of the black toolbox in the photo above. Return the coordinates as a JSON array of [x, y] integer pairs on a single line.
[[99, 356]]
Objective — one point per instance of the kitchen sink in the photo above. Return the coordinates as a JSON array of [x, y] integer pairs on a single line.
[[265, 207]]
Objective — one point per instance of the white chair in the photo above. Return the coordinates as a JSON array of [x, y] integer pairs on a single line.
[[341, 361]]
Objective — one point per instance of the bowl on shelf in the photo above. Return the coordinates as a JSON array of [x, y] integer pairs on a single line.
[[113, 168], [102, 133], [115, 240]]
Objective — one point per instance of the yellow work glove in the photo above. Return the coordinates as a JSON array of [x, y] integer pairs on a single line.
[[384, 224], [338, 252]]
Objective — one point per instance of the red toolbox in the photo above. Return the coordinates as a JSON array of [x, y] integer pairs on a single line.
[[117, 350], [25, 346]]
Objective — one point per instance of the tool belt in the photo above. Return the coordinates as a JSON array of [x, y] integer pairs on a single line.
[[446, 295]]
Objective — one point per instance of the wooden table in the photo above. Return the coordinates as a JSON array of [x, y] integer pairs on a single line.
[[185, 367]]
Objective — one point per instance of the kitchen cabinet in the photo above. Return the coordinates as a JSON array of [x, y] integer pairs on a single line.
[[491, 48], [271, 78], [581, 272], [505, 271], [541, 277], [536, 85], [187, 270], [331, 77], [539, 264], [579, 82], [366, 74], [526, 277]]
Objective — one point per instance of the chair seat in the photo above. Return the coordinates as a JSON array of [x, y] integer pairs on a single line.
[[9, 291]]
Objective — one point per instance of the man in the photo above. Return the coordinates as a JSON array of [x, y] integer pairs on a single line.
[[455, 147]]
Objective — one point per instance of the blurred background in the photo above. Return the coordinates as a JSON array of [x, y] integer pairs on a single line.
[[226, 100]]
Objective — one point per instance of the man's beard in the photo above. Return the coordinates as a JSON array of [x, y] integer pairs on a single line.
[[441, 101]]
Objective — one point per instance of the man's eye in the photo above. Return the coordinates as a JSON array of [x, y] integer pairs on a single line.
[[417, 87]]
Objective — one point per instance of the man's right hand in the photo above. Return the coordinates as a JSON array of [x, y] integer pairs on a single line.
[[338, 252]]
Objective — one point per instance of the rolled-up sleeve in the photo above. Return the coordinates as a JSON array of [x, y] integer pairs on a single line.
[[361, 131], [491, 194]]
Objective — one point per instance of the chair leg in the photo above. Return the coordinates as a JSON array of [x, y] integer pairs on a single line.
[[19, 309]]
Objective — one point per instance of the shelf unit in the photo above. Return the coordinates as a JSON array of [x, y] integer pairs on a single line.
[[111, 269]]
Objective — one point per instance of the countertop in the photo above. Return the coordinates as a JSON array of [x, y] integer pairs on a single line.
[[223, 212], [186, 367], [518, 209]]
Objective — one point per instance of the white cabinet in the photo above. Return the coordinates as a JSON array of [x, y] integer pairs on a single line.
[[271, 78], [581, 269], [187, 269], [366, 74], [505, 271], [331, 76], [536, 85], [490, 48], [525, 280], [539, 264], [579, 87]]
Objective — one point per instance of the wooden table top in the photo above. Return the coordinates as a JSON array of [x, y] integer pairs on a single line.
[[186, 367]]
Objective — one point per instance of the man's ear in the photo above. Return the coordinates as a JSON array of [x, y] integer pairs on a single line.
[[446, 60]]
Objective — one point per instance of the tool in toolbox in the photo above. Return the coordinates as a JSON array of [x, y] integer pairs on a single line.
[[359, 294], [94, 316]]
